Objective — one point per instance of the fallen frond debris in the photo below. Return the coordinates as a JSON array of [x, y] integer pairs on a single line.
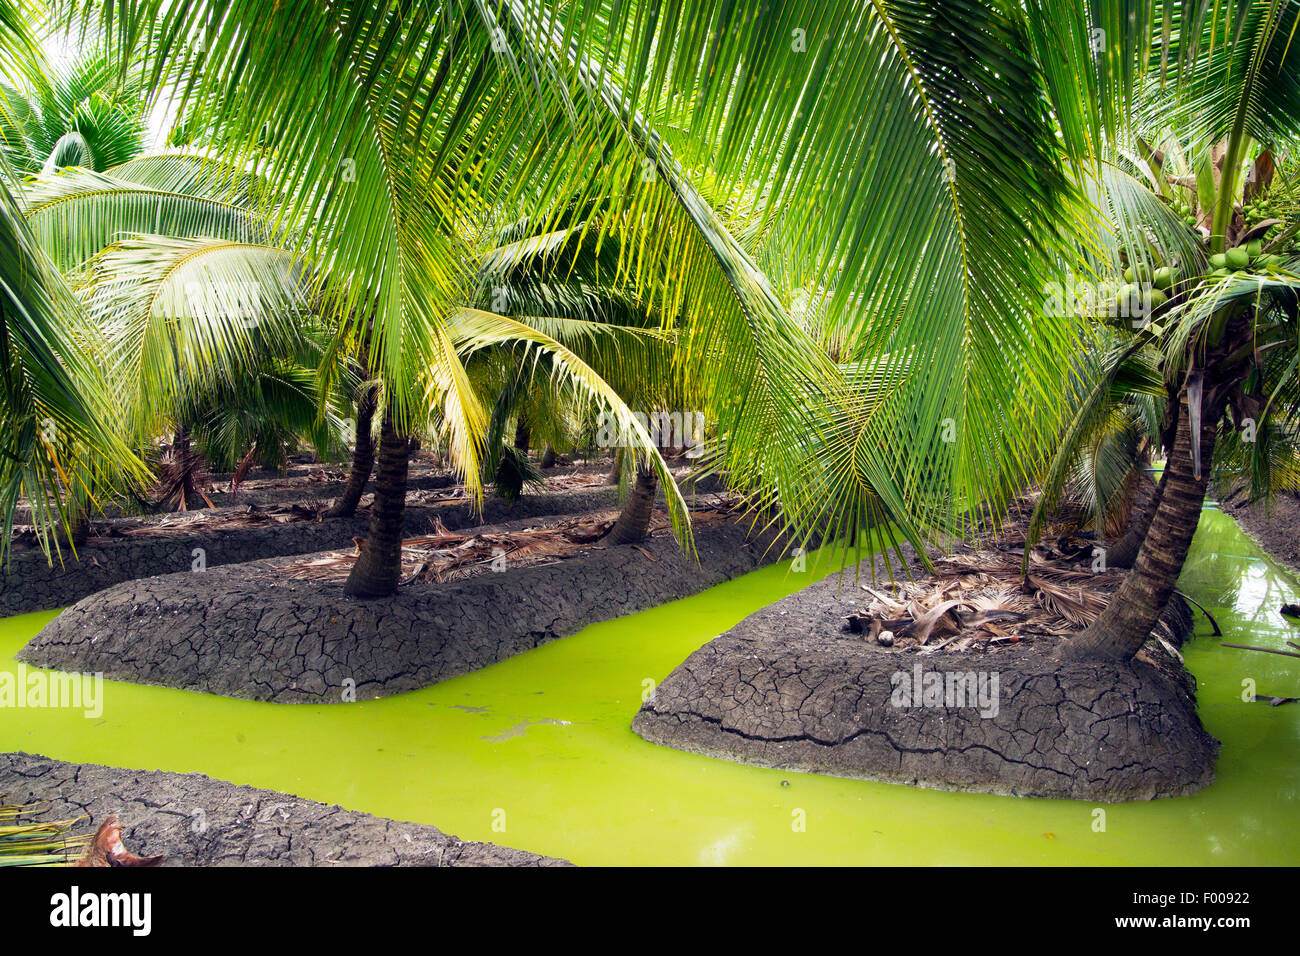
[[216, 521], [448, 555], [979, 600]]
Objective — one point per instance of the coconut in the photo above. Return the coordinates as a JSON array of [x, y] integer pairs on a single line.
[[1125, 299], [1164, 278], [1219, 260], [1238, 258]]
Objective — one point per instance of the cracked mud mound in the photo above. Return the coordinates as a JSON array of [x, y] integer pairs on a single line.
[[28, 582], [194, 820], [789, 688], [246, 631]]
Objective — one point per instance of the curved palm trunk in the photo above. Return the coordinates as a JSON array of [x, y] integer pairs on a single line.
[[241, 472], [363, 458], [378, 569], [634, 520], [1136, 607], [1124, 551]]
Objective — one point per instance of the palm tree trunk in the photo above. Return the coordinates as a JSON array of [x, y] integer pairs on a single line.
[[616, 469], [78, 522], [181, 453], [634, 520], [363, 458], [241, 471], [378, 569], [548, 457], [1136, 607], [1124, 551], [523, 434]]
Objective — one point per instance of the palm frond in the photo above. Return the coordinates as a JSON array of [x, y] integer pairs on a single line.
[[475, 329], [178, 313]]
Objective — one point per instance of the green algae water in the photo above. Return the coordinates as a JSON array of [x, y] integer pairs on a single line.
[[536, 752]]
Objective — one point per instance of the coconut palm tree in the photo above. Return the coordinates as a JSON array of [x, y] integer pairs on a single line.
[[270, 409], [1223, 337], [55, 406], [190, 323], [175, 336], [82, 113], [363, 452], [390, 134], [564, 273], [406, 341], [1100, 462]]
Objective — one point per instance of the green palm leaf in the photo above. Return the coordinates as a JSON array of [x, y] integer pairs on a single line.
[[178, 313]]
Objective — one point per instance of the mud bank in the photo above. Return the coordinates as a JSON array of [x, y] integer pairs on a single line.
[[790, 688], [250, 631], [1274, 525], [30, 583], [193, 820]]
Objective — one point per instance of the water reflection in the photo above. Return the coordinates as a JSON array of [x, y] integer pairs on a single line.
[[1239, 580]]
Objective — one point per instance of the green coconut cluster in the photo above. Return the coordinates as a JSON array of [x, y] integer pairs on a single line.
[[1271, 205], [1161, 281], [1141, 279], [1183, 208], [1248, 257]]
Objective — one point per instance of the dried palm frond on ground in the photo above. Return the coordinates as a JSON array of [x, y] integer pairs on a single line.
[[217, 521], [242, 471], [454, 493], [181, 477], [27, 841], [550, 484], [979, 599], [309, 509], [1062, 534], [447, 555], [106, 848], [175, 520], [575, 480], [318, 476], [187, 522]]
